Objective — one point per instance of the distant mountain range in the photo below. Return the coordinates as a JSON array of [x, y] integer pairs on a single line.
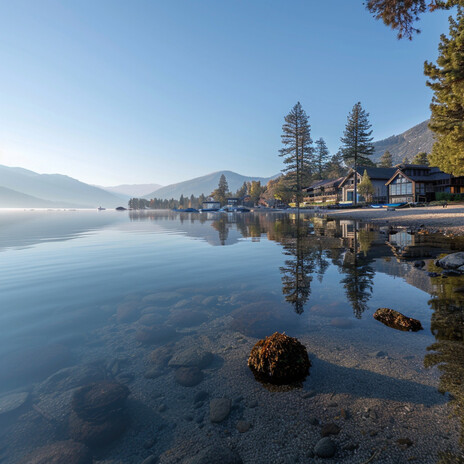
[[132, 190], [409, 143], [204, 184], [21, 188]]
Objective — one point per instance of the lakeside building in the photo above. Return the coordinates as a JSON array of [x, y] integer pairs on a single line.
[[412, 183], [324, 191], [379, 177]]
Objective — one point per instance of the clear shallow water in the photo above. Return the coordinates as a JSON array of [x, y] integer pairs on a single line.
[[106, 289]]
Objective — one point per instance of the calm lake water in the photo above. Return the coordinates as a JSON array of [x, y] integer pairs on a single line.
[[169, 306]]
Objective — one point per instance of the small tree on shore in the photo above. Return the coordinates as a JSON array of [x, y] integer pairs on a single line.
[[421, 158], [220, 194], [365, 187]]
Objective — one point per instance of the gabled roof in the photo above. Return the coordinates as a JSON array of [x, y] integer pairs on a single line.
[[374, 173]]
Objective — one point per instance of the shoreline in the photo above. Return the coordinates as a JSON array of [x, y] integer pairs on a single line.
[[433, 219]]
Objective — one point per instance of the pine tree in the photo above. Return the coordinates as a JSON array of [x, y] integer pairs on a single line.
[[365, 187], [335, 167], [405, 160], [386, 160], [298, 152], [357, 142], [242, 191], [446, 79], [220, 194], [402, 14], [421, 158], [321, 157]]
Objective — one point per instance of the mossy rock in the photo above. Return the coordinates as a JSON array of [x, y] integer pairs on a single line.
[[396, 320], [279, 359]]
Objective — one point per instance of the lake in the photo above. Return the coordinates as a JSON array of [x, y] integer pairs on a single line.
[[124, 338]]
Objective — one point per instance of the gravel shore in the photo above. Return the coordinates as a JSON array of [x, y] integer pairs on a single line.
[[448, 220]]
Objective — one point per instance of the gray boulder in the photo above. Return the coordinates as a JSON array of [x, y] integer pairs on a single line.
[[325, 448], [452, 261], [219, 409]]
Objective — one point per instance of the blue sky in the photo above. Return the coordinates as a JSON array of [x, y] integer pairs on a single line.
[[140, 91]]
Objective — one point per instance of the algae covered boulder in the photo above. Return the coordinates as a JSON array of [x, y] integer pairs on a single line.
[[397, 320], [279, 359]]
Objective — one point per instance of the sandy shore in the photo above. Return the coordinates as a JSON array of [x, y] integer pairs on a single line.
[[432, 218]]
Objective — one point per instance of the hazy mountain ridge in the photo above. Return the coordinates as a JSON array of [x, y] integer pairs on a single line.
[[24, 188], [131, 190], [204, 184], [409, 143]]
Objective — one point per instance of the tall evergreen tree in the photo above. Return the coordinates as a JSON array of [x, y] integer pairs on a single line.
[[321, 157], [297, 151], [386, 160], [446, 79], [220, 194], [242, 191], [357, 144], [421, 158]]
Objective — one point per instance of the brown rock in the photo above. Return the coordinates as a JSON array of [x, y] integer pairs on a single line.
[[330, 429], [98, 401], [96, 434], [188, 376], [279, 359], [396, 320]]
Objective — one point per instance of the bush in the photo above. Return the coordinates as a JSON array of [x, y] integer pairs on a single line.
[[445, 196]]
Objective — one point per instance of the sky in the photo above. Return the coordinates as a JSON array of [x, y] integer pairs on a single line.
[[148, 91]]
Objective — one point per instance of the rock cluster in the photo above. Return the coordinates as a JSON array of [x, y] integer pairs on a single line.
[[397, 320], [279, 359], [98, 416], [454, 261]]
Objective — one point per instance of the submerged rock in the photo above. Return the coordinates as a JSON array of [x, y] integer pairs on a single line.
[[96, 434], [98, 401], [219, 409], [13, 401], [61, 452], [452, 261], [279, 359], [396, 320], [188, 376], [153, 335], [325, 448], [191, 357]]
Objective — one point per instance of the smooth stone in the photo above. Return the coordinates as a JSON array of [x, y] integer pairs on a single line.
[[149, 443], [378, 354], [161, 297], [160, 356], [404, 442], [150, 460], [127, 312], [13, 401], [314, 421], [191, 357], [150, 319], [188, 376], [419, 264], [450, 273], [325, 448], [215, 454], [308, 394], [330, 429], [97, 434], [219, 409], [61, 452], [243, 426]]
